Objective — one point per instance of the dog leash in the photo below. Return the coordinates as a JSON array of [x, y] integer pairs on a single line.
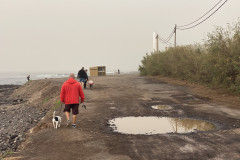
[[60, 110]]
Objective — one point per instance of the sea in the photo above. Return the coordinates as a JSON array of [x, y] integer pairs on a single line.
[[21, 78]]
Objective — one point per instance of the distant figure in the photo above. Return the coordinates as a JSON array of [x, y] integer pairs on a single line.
[[28, 77], [118, 71], [70, 93], [82, 75], [86, 79], [90, 82]]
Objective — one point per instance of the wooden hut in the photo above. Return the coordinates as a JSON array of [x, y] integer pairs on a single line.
[[98, 71]]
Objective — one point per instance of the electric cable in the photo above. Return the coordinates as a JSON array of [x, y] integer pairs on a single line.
[[168, 38], [202, 20], [202, 16], [160, 39]]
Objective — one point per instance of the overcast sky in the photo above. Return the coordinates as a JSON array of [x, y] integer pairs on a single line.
[[64, 35]]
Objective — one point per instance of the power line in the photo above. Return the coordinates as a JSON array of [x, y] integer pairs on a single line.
[[202, 16], [168, 38], [160, 39], [166, 41], [204, 19], [171, 34]]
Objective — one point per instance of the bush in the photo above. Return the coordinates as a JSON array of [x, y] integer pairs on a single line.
[[216, 62]]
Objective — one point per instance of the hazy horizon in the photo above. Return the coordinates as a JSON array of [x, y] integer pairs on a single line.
[[61, 35]]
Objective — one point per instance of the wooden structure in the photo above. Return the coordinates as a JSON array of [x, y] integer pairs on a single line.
[[98, 71]]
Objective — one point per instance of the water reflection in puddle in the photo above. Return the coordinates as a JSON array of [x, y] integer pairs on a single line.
[[158, 125], [162, 107]]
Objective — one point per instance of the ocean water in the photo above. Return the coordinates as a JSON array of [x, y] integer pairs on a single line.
[[21, 78]]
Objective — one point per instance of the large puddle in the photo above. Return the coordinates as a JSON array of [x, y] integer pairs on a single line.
[[158, 125]]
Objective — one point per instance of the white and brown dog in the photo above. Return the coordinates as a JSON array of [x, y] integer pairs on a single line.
[[56, 120]]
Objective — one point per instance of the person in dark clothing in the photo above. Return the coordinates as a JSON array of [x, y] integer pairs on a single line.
[[82, 75], [86, 79], [28, 77]]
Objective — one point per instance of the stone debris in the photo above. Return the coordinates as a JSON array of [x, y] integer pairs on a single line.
[[17, 117]]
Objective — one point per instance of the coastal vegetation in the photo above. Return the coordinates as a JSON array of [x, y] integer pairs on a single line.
[[45, 100], [215, 62], [57, 104], [6, 154]]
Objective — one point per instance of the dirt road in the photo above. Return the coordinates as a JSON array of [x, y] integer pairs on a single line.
[[131, 95]]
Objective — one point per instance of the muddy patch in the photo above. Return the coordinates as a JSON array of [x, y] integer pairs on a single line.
[[158, 125], [161, 107], [190, 98]]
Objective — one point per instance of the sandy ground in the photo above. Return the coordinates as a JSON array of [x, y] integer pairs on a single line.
[[132, 95]]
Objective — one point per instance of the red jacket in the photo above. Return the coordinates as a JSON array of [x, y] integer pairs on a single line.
[[71, 91]]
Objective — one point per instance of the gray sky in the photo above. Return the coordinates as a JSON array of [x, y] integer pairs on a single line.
[[64, 35]]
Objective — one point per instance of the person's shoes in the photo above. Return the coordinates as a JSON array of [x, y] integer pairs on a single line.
[[68, 121], [74, 125]]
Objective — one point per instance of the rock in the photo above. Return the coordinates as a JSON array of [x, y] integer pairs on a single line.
[[13, 136], [3, 148]]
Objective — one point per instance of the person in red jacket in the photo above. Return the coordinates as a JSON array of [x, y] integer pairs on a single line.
[[70, 93]]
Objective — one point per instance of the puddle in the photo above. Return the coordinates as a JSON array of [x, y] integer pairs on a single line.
[[112, 107], [158, 125], [162, 107], [157, 101], [165, 92]]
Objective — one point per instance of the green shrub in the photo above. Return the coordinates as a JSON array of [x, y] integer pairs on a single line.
[[216, 62], [6, 154], [45, 100], [57, 104]]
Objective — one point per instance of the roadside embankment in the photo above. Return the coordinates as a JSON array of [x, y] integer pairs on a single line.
[[22, 108]]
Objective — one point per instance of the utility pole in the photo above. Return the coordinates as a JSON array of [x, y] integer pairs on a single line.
[[157, 43], [175, 40]]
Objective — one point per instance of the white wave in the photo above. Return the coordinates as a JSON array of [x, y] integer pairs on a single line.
[[21, 78]]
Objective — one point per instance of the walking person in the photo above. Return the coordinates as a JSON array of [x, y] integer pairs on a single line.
[[86, 79], [82, 75], [70, 93]]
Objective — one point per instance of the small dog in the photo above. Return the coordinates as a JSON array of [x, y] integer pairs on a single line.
[[56, 120]]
